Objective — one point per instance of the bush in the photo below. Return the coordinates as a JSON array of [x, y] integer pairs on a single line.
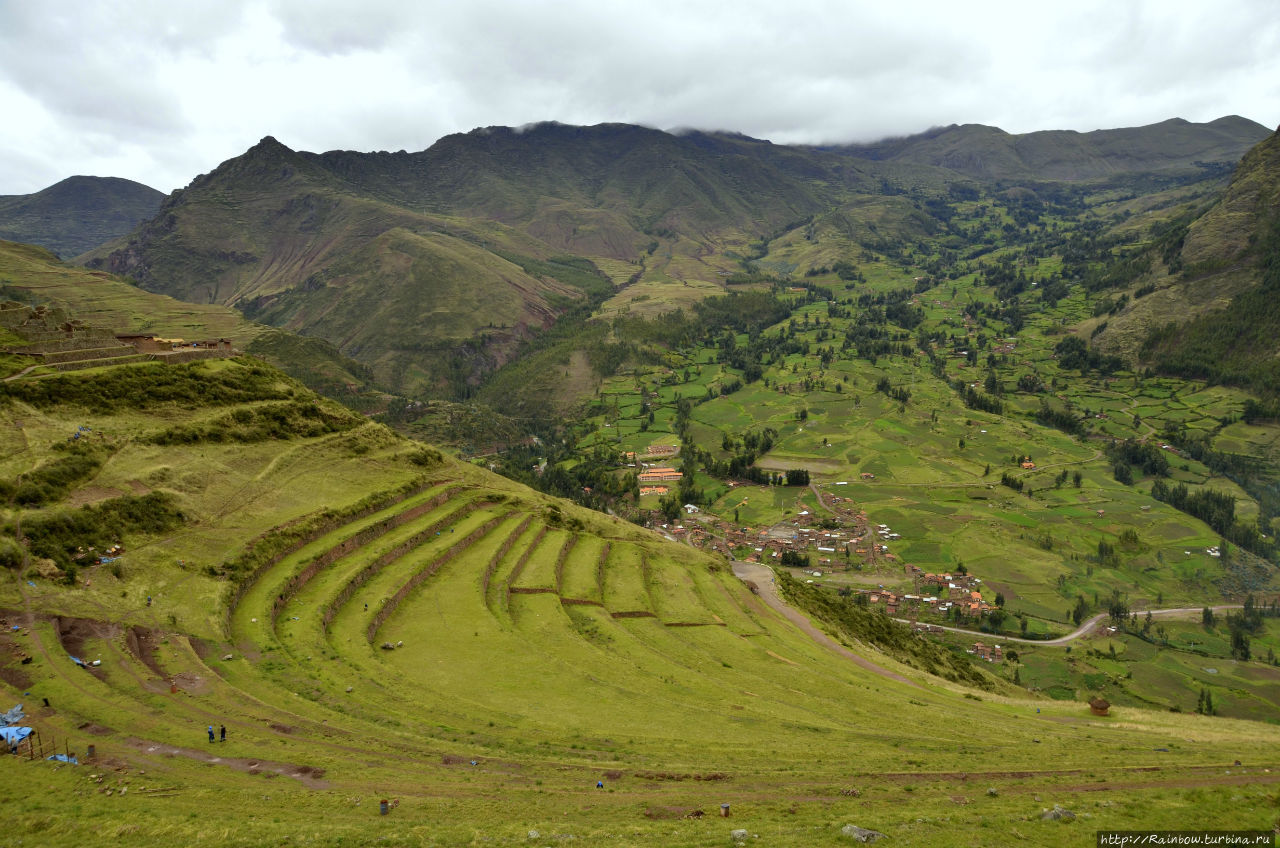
[[294, 419], [10, 554], [60, 535], [52, 480], [149, 386]]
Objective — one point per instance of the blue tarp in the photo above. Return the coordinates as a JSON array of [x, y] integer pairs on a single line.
[[12, 717], [78, 661], [14, 735], [63, 758]]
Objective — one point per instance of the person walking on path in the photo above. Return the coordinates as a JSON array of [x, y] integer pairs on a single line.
[[223, 732], [211, 733]]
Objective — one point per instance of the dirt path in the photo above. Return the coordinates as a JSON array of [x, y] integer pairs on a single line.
[[22, 373], [762, 577], [306, 775]]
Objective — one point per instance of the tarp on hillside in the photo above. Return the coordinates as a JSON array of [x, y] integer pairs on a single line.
[[14, 716], [13, 735]]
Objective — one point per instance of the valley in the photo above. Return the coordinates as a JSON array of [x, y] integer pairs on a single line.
[[807, 459]]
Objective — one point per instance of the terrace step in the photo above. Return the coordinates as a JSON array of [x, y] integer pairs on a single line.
[[77, 354], [81, 364]]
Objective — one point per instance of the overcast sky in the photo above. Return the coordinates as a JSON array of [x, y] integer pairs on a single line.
[[161, 90]]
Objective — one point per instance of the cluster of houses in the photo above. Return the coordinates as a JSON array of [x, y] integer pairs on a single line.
[[654, 475], [990, 653], [940, 595]]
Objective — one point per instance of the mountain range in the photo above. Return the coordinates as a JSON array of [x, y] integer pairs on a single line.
[[434, 268]]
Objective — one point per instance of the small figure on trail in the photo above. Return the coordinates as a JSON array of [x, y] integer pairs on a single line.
[[211, 733], [223, 732], [599, 784], [148, 600]]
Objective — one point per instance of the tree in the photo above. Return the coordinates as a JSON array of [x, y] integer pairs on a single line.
[[1080, 610], [1240, 645], [797, 477], [999, 599], [1206, 617], [1117, 607]]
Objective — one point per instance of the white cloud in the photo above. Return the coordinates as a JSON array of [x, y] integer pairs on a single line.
[[159, 92]]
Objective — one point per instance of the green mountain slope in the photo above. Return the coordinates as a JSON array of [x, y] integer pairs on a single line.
[[34, 275], [283, 239], [1211, 277], [30, 274], [77, 214]]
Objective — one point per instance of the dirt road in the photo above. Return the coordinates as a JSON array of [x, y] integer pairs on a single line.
[[762, 577], [1088, 625]]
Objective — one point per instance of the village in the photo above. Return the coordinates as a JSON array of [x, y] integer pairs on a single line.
[[843, 541]]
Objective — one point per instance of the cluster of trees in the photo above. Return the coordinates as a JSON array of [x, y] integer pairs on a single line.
[[1074, 354], [1218, 510], [898, 393], [1235, 345], [1248, 472], [975, 399], [592, 482], [1243, 626], [1059, 419], [1148, 458]]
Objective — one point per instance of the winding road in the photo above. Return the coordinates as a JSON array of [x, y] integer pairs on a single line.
[[762, 577], [1086, 626]]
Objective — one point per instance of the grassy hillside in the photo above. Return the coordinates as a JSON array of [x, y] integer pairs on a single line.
[[370, 620], [287, 242], [33, 275], [1233, 249], [77, 214]]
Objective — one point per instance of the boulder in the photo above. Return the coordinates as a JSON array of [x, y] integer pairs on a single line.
[[738, 835], [1058, 813], [861, 834]]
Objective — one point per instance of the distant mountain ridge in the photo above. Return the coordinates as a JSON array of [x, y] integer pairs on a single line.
[[77, 214], [984, 152], [432, 263]]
